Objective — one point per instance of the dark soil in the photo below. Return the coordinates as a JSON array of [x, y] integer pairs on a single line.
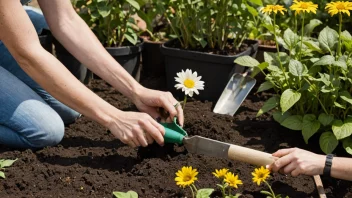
[[89, 162], [269, 43], [229, 49]]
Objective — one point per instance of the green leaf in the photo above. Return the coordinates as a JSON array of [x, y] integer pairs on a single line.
[[279, 117], [342, 62], [134, 4], [2, 175], [309, 28], [328, 142], [296, 68], [291, 39], [201, 40], [129, 194], [342, 130], [104, 10], [252, 10], [6, 163], [257, 2], [314, 46], [294, 122], [131, 39], [346, 96], [260, 67], [328, 39], [339, 105], [265, 86], [204, 193], [325, 119], [266, 193], [288, 98], [310, 126], [269, 105], [347, 145], [325, 60], [247, 61], [346, 36]]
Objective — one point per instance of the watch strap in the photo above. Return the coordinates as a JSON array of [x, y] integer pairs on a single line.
[[328, 164]]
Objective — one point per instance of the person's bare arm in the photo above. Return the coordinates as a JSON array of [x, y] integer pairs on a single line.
[[75, 35], [20, 37], [296, 162]]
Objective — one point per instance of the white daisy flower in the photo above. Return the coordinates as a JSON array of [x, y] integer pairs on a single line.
[[189, 82]]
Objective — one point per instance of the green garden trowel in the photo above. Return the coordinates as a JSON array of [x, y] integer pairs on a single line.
[[205, 146]]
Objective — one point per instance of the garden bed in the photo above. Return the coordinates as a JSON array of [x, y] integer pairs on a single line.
[[89, 162]]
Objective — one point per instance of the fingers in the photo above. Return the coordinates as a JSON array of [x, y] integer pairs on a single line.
[[154, 129], [283, 152], [168, 104], [280, 163], [140, 137], [178, 108]]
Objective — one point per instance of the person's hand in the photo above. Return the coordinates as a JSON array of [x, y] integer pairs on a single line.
[[141, 25], [148, 101], [296, 162], [136, 129]]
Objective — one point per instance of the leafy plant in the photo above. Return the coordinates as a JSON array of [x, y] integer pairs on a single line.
[[129, 194], [312, 85], [4, 164], [211, 24], [111, 21], [153, 12]]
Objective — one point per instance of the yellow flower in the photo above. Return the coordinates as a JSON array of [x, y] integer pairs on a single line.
[[232, 180], [273, 8], [220, 173], [301, 6], [260, 175], [339, 7], [186, 176]]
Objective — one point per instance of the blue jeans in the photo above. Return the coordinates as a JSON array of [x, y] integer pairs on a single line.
[[29, 116]]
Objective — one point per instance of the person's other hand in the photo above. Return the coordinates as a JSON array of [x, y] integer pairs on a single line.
[[136, 129], [148, 101], [141, 25], [296, 162]]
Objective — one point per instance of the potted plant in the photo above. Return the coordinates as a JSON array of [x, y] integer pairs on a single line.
[[313, 81], [114, 24], [210, 36], [156, 34]]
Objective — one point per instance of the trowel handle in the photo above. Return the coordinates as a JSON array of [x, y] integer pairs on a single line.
[[250, 156]]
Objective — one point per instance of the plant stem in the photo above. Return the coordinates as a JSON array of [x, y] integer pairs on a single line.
[[339, 43], [302, 34], [184, 102], [271, 190], [192, 191], [278, 51]]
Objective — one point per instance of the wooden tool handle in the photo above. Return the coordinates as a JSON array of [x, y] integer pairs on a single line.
[[250, 156]]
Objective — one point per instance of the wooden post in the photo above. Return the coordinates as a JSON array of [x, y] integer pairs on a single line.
[[319, 185]]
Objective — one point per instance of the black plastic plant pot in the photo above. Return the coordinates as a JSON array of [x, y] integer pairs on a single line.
[[70, 62], [46, 40], [153, 60], [215, 70], [129, 57]]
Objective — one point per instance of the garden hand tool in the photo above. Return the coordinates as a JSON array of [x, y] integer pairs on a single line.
[[205, 146], [234, 93]]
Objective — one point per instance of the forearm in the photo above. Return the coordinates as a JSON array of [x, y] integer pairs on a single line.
[[47, 71], [342, 168], [80, 41]]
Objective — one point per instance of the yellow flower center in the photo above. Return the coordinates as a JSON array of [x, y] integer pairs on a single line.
[[189, 83], [340, 6], [187, 178], [261, 175], [304, 5]]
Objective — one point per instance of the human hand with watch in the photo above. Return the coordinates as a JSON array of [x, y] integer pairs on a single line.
[[297, 162]]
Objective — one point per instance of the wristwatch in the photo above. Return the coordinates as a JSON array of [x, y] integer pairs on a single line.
[[328, 164]]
